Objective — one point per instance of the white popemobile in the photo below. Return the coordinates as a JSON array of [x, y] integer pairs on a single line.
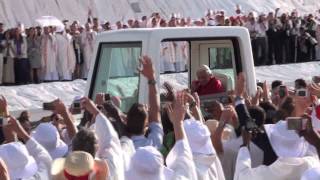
[[226, 50]]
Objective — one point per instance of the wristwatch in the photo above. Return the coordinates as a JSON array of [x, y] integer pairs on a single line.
[[152, 82]]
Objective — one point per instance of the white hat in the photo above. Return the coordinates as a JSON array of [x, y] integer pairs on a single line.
[[77, 163], [47, 135], [311, 174], [147, 163], [286, 143], [20, 164], [199, 137]]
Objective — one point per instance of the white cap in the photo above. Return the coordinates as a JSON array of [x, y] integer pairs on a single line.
[[47, 135], [147, 163], [286, 143], [20, 164], [199, 137]]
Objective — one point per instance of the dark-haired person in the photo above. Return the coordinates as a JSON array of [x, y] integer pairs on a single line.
[[139, 119], [22, 63]]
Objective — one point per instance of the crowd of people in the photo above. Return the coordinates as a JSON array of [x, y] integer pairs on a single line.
[[245, 138], [50, 53]]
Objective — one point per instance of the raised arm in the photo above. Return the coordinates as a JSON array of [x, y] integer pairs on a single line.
[[61, 109], [108, 141], [154, 99]]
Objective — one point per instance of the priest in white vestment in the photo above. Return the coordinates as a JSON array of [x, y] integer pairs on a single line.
[[49, 56], [66, 59], [87, 42]]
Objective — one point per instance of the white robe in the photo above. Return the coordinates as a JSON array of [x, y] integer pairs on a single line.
[[282, 169], [87, 42], [49, 57], [208, 167], [66, 59]]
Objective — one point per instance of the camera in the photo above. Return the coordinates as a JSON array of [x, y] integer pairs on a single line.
[[302, 92], [76, 107], [48, 106], [296, 123]]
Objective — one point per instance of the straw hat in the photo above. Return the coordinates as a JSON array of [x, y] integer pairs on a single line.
[[77, 163]]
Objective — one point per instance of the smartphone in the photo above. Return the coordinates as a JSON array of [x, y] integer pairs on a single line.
[[107, 97], [3, 121], [302, 92], [296, 123], [282, 91], [48, 106], [76, 107]]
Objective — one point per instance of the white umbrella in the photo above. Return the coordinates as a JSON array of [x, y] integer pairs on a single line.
[[50, 21]]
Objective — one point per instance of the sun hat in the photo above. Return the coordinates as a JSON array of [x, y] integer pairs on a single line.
[[18, 160], [147, 163], [198, 136], [48, 136], [77, 163]]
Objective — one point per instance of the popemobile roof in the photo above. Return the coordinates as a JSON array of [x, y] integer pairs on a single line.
[[139, 34]]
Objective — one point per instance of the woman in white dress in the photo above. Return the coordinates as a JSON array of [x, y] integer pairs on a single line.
[[8, 55]]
